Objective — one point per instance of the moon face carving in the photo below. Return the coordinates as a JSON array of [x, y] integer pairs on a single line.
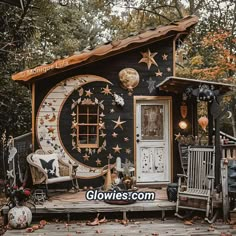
[[48, 116], [129, 78]]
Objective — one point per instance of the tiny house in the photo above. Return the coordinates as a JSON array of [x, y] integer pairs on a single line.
[[118, 101]]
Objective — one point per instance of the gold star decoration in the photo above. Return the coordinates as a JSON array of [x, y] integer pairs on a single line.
[[109, 156], [73, 135], [86, 157], [126, 139], [114, 134], [98, 161], [51, 130], [158, 73], [118, 123], [112, 110], [73, 114], [128, 150], [148, 58], [168, 69], [102, 134], [106, 90], [46, 116], [88, 93], [164, 57], [117, 148], [101, 125], [177, 136], [74, 125]]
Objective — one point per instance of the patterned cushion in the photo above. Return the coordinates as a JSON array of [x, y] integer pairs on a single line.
[[49, 162]]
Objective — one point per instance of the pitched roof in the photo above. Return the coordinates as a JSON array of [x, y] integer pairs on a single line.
[[103, 50]]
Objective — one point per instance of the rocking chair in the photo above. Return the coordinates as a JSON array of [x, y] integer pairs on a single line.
[[49, 169], [199, 182]]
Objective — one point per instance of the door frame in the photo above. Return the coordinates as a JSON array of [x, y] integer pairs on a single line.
[[137, 99]]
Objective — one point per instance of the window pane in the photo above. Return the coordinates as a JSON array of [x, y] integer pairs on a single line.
[[92, 119], [92, 129], [152, 122], [83, 129], [92, 139], [93, 109], [83, 109], [82, 139], [83, 119]]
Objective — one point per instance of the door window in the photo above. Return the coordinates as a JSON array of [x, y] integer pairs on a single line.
[[152, 122]]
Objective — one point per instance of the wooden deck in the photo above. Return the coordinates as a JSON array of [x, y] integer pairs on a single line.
[[70, 203], [150, 227]]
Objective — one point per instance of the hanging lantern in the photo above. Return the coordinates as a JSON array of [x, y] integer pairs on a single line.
[[203, 122], [183, 110]]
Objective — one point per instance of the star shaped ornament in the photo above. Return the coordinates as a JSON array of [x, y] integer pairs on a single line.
[[114, 134], [102, 134], [148, 58], [86, 157], [117, 148], [109, 156], [98, 161], [164, 57], [158, 73], [126, 139], [177, 136], [151, 85], [106, 90], [128, 150], [101, 125], [118, 123], [88, 93]]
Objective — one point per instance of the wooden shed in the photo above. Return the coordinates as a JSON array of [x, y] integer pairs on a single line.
[[116, 102]]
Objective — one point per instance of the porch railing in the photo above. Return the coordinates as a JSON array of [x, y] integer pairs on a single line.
[[229, 151]]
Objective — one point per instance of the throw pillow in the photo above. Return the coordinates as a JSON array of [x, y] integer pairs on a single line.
[[49, 162]]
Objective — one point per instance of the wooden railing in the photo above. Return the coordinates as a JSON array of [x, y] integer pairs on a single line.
[[229, 151]]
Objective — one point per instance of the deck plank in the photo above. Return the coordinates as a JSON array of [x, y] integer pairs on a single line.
[[173, 227]]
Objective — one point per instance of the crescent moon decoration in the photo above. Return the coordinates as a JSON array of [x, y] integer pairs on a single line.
[[230, 114], [48, 134]]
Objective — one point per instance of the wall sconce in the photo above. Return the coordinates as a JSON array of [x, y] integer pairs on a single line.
[[183, 124]]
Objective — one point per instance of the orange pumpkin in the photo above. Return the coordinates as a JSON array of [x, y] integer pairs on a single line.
[[203, 122]]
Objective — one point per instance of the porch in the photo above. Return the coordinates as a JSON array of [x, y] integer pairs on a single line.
[[72, 203]]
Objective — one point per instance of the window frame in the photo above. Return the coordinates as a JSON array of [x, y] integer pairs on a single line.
[[87, 125]]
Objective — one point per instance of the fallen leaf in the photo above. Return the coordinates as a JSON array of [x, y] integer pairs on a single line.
[[188, 222], [155, 234], [78, 232], [43, 222], [98, 231], [210, 229], [29, 230]]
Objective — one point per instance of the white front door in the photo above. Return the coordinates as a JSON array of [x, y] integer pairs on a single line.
[[153, 162]]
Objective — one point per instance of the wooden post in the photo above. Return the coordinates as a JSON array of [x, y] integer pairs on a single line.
[[225, 196], [210, 126], [218, 151]]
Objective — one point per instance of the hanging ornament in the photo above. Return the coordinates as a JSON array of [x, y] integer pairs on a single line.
[[203, 122], [183, 110]]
